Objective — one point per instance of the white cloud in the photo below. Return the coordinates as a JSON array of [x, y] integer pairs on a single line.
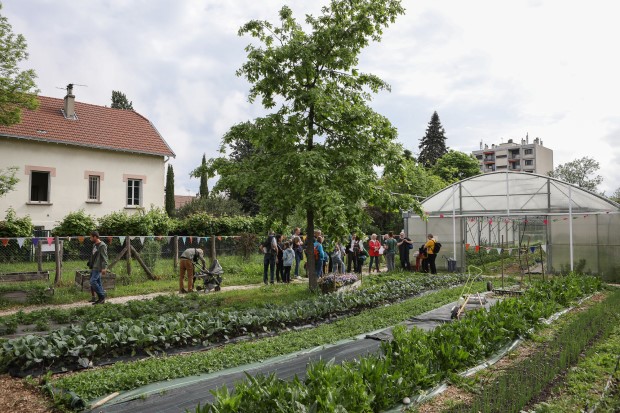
[[491, 69]]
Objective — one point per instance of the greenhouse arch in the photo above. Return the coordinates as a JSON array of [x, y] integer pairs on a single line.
[[510, 211]]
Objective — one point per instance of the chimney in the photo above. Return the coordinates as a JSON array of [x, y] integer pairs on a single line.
[[480, 145], [69, 108], [509, 140]]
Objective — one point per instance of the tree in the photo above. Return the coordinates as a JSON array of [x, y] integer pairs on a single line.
[[17, 87], [8, 180], [120, 101], [317, 151], [616, 196], [408, 177], [578, 173], [455, 166], [433, 144], [170, 205], [204, 172], [204, 179]]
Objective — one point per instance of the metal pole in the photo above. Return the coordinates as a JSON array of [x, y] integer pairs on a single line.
[[453, 223], [570, 224]]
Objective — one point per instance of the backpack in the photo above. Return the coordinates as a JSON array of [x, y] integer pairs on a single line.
[[317, 256], [437, 247], [268, 245]]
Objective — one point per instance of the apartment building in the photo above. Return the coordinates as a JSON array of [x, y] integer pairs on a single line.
[[512, 156]]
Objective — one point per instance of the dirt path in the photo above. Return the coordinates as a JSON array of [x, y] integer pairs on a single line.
[[122, 300]]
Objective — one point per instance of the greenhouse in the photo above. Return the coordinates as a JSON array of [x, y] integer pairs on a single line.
[[569, 228]]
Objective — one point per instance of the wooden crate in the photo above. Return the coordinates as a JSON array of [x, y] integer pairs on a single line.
[[24, 276], [82, 280], [23, 297]]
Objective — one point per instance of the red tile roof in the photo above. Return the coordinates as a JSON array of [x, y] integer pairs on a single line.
[[180, 200], [95, 127]]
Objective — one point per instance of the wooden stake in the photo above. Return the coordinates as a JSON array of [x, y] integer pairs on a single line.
[[58, 276], [146, 269], [39, 253], [119, 257], [213, 251], [175, 248], [128, 254]]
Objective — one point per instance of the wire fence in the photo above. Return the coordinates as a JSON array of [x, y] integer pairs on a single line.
[[148, 257]]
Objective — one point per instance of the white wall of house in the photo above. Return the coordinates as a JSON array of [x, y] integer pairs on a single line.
[[69, 170]]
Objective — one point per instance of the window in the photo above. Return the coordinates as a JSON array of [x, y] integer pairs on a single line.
[[39, 186], [529, 151], [133, 192], [478, 157], [529, 162], [94, 182]]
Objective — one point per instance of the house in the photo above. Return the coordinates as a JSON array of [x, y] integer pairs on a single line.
[[73, 155], [182, 200], [511, 156]]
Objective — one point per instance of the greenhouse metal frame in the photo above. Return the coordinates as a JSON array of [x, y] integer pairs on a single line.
[[506, 211]]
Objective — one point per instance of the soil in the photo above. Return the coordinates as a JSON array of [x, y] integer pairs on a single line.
[[19, 397]]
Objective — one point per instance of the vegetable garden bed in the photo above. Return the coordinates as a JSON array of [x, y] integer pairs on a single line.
[[82, 345]]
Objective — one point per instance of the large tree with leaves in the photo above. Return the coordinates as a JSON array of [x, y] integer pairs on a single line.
[[318, 148], [170, 205], [580, 172], [17, 87], [433, 144], [455, 166], [120, 101]]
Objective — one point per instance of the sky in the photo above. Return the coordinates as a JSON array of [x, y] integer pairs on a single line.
[[493, 70]]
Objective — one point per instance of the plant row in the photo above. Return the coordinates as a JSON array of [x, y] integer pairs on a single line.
[[412, 361], [80, 345], [93, 383], [522, 382]]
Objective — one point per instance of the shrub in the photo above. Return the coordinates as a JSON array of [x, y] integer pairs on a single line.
[[153, 222], [15, 227], [75, 223]]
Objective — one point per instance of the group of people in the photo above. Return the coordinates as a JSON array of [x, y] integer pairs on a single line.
[[281, 255]]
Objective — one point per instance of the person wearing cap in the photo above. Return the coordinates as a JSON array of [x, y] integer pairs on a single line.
[[188, 258]]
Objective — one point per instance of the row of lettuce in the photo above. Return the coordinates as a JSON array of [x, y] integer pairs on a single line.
[[412, 361], [165, 326]]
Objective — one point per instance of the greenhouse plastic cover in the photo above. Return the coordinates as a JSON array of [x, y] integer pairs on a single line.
[[510, 192]]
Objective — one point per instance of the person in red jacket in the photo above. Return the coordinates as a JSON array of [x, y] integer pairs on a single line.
[[373, 249]]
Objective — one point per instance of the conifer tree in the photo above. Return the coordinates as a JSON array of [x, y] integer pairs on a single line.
[[433, 144], [120, 101], [204, 177], [170, 191]]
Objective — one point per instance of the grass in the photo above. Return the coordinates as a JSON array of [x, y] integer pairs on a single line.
[[237, 271], [126, 376]]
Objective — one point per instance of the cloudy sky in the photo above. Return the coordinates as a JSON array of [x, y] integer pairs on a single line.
[[493, 70]]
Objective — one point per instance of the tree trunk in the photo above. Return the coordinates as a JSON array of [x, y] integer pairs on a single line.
[[313, 281]]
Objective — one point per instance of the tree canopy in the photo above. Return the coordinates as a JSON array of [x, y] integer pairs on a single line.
[[17, 87], [120, 101], [8, 180], [318, 149], [580, 172], [433, 143], [455, 166]]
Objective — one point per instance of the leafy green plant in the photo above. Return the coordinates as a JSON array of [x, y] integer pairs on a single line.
[[75, 223]]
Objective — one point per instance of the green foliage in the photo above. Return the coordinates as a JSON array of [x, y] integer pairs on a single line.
[[126, 376], [170, 205], [317, 150], [455, 166], [407, 177], [17, 87], [75, 223], [579, 172], [433, 144], [247, 243], [413, 359], [518, 384], [616, 196], [8, 180], [153, 222], [15, 227], [203, 223], [216, 205], [150, 252], [204, 172], [120, 101]]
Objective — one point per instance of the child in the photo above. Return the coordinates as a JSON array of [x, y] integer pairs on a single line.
[[288, 257], [338, 264]]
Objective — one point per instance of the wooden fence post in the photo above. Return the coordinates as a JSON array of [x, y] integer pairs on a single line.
[[58, 261], [213, 250], [175, 249], [39, 253], [128, 255]]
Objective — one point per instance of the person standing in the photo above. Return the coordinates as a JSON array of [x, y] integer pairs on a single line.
[[404, 245], [337, 263], [298, 247], [288, 256], [188, 258], [319, 256], [373, 250], [270, 251], [279, 264], [98, 264], [390, 251], [350, 252], [430, 253]]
